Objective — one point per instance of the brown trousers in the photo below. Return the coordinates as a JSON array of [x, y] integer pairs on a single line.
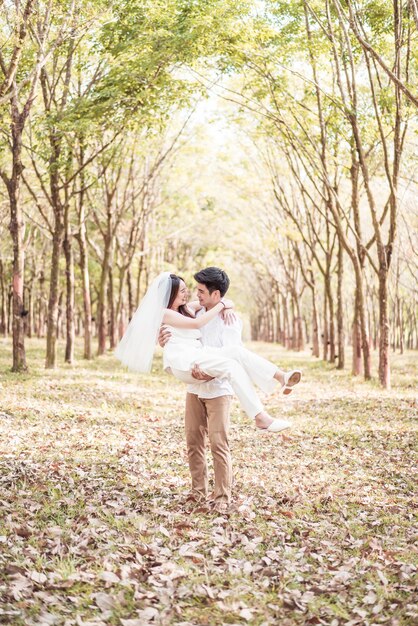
[[209, 417]]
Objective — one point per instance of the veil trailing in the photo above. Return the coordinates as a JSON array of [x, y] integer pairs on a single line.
[[137, 346]]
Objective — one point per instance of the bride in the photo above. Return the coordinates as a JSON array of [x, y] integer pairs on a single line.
[[166, 302]]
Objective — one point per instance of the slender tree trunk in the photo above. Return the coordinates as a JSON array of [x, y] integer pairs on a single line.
[[357, 361], [315, 327], [375, 328], [330, 298], [340, 309], [401, 326], [325, 327], [384, 334], [394, 324], [70, 286], [363, 325], [84, 262], [29, 318], [41, 306], [111, 309], [85, 280], [16, 228], [101, 304], [286, 325], [53, 300], [3, 304], [10, 311], [300, 343], [279, 331], [130, 295]]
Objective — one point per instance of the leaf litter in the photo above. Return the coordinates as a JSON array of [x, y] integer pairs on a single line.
[[95, 526]]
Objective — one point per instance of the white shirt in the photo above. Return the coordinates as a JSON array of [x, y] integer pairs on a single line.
[[217, 334]]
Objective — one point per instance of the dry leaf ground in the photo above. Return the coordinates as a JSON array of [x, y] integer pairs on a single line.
[[94, 527]]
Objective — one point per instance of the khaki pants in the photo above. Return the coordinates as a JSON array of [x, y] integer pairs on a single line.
[[209, 417]]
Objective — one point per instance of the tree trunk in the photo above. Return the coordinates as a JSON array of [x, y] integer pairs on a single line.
[[340, 309], [69, 280], [3, 304], [330, 298], [101, 304], [325, 327], [52, 316], [16, 228], [57, 242], [357, 361], [85, 280], [363, 326], [130, 296], [286, 326], [315, 327], [41, 306], [29, 318], [300, 343], [112, 312], [384, 366]]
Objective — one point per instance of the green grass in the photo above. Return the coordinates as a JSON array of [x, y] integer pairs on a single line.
[[93, 477]]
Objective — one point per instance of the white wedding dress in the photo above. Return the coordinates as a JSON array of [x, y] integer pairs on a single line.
[[239, 366]]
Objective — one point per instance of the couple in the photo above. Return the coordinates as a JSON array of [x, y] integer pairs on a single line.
[[202, 340]]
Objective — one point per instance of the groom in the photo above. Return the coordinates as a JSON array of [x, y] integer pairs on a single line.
[[208, 404]]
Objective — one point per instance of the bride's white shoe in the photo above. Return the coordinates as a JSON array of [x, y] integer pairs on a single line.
[[277, 425], [291, 379]]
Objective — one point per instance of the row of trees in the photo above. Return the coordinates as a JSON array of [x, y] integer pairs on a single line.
[[95, 103], [338, 120], [86, 97]]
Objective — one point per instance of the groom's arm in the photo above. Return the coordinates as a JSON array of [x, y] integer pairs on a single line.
[[232, 333]]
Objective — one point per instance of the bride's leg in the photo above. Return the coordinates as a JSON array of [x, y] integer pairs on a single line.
[[219, 366], [261, 371], [185, 377]]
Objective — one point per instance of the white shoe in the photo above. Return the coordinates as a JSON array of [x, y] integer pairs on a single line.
[[277, 425], [291, 379]]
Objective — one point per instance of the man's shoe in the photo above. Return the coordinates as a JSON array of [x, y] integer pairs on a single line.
[[194, 498], [221, 507]]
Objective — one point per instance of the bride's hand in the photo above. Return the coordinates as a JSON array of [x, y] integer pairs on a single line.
[[228, 304], [228, 316]]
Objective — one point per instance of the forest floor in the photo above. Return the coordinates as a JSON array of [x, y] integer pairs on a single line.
[[95, 528]]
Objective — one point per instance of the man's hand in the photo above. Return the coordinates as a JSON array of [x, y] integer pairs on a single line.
[[199, 375], [228, 317], [164, 336]]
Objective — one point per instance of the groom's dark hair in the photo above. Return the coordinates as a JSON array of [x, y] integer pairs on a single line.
[[213, 278]]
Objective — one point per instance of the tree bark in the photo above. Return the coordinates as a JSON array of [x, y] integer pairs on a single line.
[[3, 303], [111, 309], [101, 304], [16, 228], [357, 362], [331, 336], [325, 327], [57, 242], [340, 309], [315, 327], [70, 286], [384, 334]]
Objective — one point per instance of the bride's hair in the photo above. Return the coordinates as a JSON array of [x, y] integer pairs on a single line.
[[175, 286]]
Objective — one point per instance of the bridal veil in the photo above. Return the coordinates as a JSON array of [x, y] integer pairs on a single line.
[[137, 346]]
